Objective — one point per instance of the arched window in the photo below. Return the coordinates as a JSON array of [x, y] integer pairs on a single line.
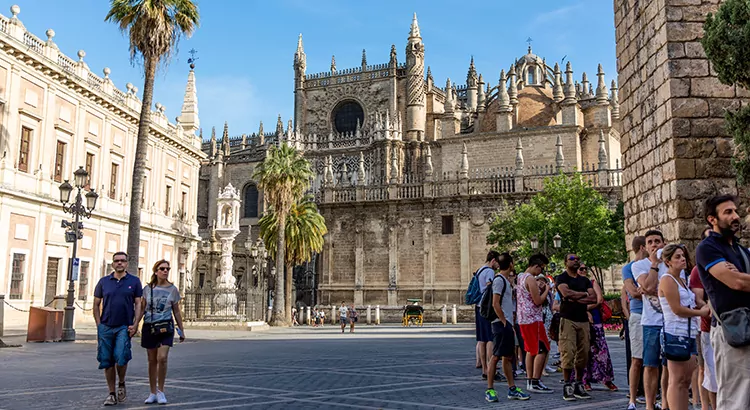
[[531, 75], [345, 116], [250, 201]]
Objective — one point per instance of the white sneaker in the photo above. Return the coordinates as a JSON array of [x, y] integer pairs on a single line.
[[151, 399], [161, 398]]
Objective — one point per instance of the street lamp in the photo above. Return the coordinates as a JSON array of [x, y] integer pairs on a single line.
[[556, 242], [74, 232]]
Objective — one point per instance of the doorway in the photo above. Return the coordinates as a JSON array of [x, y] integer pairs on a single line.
[[53, 265]]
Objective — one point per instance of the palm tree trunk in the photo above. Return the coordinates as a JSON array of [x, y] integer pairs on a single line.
[[278, 318], [139, 165], [289, 300]]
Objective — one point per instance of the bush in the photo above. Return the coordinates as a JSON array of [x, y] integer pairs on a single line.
[[612, 296]]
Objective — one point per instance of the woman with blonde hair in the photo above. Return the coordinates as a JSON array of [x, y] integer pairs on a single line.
[[681, 311], [160, 302]]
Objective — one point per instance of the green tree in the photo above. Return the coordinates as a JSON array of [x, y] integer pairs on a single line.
[[570, 207], [283, 176], [726, 42], [154, 28], [305, 228]]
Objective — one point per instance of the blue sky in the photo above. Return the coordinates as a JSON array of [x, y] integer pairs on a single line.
[[246, 47]]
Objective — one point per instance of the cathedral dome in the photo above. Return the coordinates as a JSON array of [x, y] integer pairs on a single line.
[[535, 107], [532, 69]]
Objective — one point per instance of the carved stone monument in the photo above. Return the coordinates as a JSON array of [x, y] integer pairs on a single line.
[[228, 207]]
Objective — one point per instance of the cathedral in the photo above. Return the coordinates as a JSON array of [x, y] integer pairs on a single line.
[[409, 172]]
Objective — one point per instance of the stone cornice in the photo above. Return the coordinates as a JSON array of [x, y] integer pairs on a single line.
[[65, 78]]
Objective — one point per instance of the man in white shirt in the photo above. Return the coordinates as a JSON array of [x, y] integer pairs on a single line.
[[647, 273]]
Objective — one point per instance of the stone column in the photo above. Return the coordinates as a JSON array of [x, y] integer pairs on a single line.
[[359, 263], [464, 231], [392, 264], [675, 149]]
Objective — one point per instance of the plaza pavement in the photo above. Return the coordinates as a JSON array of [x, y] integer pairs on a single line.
[[383, 367]]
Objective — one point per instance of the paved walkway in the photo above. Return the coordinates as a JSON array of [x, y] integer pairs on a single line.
[[385, 367]]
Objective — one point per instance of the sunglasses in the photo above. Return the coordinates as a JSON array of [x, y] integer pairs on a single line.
[[574, 258], [165, 269]]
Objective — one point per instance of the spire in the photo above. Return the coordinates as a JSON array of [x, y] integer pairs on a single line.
[[570, 88], [344, 178], [584, 85], [414, 32], [464, 173], [279, 129], [481, 97], [601, 87], [559, 158], [244, 141], [333, 64], [394, 165], [213, 142], [614, 101], [519, 157], [429, 74], [393, 62], [189, 114], [448, 96], [261, 135], [602, 151], [225, 140], [428, 169], [513, 89], [557, 88], [471, 76], [328, 178], [364, 59], [361, 169], [299, 55], [503, 98]]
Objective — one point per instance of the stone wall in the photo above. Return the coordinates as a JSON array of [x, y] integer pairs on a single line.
[[675, 149]]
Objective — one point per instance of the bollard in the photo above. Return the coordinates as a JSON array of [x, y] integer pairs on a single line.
[[455, 317], [377, 314], [2, 314], [334, 315], [445, 314], [369, 313], [308, 319], [270, 313]]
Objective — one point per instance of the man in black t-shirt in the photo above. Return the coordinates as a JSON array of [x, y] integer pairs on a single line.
[[576, 292]]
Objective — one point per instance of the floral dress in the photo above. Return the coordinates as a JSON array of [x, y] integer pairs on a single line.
[[599, 368]]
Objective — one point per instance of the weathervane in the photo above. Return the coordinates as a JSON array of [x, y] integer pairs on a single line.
[[529, 40], [192, 58]]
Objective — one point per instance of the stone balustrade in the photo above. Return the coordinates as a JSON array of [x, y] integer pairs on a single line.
[[478, 183]]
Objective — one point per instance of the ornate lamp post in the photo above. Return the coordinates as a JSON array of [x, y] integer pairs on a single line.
[[556, 242], [74, 232]]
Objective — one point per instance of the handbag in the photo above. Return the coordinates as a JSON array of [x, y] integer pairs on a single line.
[[164, 327], [606, 312]]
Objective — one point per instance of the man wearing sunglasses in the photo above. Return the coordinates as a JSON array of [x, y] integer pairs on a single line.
[[576, 292], [117, 302]]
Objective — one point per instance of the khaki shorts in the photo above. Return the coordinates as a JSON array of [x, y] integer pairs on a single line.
[[574, 344], [732, 373], [636, 336]]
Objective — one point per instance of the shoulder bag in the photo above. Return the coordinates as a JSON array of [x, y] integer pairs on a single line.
[[163, 327]]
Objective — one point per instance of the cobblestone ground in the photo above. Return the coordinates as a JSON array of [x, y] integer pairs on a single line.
[[387, 367]]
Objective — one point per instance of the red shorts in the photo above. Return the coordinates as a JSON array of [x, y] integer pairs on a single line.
[[535, 338]]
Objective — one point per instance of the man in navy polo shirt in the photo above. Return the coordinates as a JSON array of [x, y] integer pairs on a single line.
[[115, 323], [723, 266]]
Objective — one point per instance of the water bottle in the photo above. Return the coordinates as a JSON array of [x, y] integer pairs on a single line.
[[179, 332]]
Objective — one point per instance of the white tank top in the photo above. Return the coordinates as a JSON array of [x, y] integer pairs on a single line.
[[676, 325]]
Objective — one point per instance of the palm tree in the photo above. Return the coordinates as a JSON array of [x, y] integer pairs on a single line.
[[305, 228], [154, 28], [283, 176]]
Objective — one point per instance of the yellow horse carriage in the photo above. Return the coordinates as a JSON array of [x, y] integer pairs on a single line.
[[413, 313]]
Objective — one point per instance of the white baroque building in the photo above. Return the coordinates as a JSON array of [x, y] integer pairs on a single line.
[[56, 115]]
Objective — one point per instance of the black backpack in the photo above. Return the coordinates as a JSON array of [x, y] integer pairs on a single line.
[[485, 304]]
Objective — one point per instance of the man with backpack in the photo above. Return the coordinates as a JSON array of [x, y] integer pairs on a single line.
[[497, 305], [482, 277]]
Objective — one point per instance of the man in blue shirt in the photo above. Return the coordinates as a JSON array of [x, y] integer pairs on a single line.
[[635, 330], [723, 266], [117, 302], [485, 274]]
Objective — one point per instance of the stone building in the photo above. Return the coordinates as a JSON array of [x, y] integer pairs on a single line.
[[408, 173], [56, 115]]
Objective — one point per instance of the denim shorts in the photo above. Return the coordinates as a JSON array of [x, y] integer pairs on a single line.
[[652, 354], [113, 346]]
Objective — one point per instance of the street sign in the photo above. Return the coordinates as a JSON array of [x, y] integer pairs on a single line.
[[76, 269]]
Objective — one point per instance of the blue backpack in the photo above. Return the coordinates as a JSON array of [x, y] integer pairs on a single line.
[[473, 295]]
